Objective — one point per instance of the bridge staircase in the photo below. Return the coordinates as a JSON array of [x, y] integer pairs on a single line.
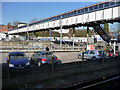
[[104, 35]]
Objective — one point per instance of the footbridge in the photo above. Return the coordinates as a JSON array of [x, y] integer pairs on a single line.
[[90, 16]]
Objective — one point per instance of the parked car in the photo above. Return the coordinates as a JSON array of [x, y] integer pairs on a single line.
[[17, 60], [44, 57], [93, 54], [111, 54]]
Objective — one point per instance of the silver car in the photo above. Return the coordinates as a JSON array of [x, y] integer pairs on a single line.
[[44, 57], [93, 54]]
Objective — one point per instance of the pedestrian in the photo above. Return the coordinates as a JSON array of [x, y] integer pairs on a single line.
[[47, 49]]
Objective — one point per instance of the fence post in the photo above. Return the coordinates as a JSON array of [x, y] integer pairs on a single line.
[[82, 58], [52, 63], [103, 57], [8, 73]]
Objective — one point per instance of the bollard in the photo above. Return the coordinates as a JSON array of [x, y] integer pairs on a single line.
[[52, 63], [103, 56]]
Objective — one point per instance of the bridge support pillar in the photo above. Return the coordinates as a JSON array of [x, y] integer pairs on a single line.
[[73, 37], [28, 32], [18, 40], [94, 41], [33, 39], [50, 39], [61, 38]]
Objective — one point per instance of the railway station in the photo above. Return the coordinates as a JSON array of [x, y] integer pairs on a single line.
[[66, 61]]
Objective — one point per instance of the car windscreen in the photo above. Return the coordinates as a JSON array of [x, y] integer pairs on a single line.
[[16, 56], [101, 52], [47, 54]]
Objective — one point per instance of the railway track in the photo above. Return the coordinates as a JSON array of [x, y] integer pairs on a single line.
[[109, 82], [48, 68], [38, 70], [67, 71]]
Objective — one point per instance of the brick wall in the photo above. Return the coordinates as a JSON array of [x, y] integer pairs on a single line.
[[5, 28]]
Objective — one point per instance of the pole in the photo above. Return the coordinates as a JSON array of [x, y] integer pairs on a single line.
[[18, 39], [82, 57], [27, 32], [94, 39], [61, 34], [8, 72], [33, 39], [110, 47], [52, 63], [114, 46], [110, 43], [73, 37], [87, 36], [50, 38]]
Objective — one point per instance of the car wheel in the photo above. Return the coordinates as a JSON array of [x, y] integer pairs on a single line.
[[31, 61], [94, 58], [79, 57], [39, 64], [59, 62]]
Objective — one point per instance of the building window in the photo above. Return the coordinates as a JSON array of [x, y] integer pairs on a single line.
[[82, 10], [101, 6], [78, 11], [107, 4], [65, 15], [96, 7], [86, 9], [112, 3], [68, 14], [75, 12], [3, 28], [71, 13], [118, 2], [91, 8]]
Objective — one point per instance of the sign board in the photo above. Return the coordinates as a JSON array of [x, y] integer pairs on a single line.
[[89, 47]]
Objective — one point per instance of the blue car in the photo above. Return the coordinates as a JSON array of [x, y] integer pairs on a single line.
[[17, 60]]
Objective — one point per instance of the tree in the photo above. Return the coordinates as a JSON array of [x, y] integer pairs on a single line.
[[106, 27], [15, 23], [9, 24]]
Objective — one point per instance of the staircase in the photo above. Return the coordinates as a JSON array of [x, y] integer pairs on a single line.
[[104, 35]]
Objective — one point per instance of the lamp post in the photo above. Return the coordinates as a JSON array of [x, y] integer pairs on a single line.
[[61, 34], [28, 32]]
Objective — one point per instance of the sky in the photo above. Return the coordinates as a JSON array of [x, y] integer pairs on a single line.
[[26, 11]]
